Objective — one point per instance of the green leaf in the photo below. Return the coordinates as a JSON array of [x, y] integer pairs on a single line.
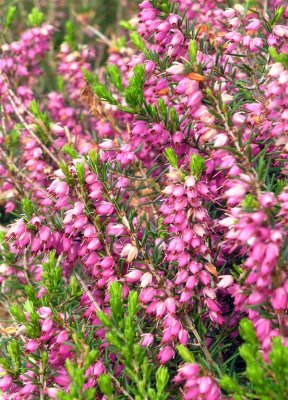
[[70, 151], [229, 385], [103, 93], [133, 303], [114, 77], [42, 116], [13, 349], [94, 156], [116, 303], [174, 120], [134, 89], [89, 77], [193, 51], [105, 384], [169, 153], [104, 319], [247, 331], [80, 170], [90, 358], [197, 164], [277, 15], [65, 169], [70, 35], [29, 307], [249, 203], [127, 25], [10, 16], [185, 354], [28, 208], [35, 18], [74, 286], [162, 378], [279, 57], [163, 110], [14, 136], [17, 313], [137, 41], [52, 275]]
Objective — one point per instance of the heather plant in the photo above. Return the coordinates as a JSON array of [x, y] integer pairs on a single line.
[[143, 245]]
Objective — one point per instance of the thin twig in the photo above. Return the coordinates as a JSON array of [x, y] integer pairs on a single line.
[[13, 99], [119, 387], [87, 291], [99, 34]]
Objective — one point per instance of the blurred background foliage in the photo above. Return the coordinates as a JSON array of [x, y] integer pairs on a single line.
[[96, 23], [86, 16], [103, 13]]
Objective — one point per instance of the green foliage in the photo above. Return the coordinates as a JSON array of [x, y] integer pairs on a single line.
[[103, 93], [193, 51], [162, 5], [249, 203], [70, 151], [65, 168], [134, 89], [171, 157], [277, 15], [42, 121], [119, 43], [185, 354], [33, 324], [114, 77], [279, 57], [89, 77], [14, 137], [105, 385], [126, 25], [106, 14], [76, 372], [197, 165], [35, 18], [10, 16], [267, 381], [28, 209], [70, 35], [11, 363], [122, 334], [52, 275], [137, 41], [80, 170]]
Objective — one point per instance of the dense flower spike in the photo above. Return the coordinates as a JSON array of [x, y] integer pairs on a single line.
[[145, 251]]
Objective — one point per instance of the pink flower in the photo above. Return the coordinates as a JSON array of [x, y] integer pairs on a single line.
[[281, 31], [47, 325], [189, 370], [165, 354], [147, 339], [226, 281], [32, 345], [62, 380], [254, 25], [105, 208], [44, 233], [5, 382], [279, 299], [267, 200], [52, 393], [134, 276]]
